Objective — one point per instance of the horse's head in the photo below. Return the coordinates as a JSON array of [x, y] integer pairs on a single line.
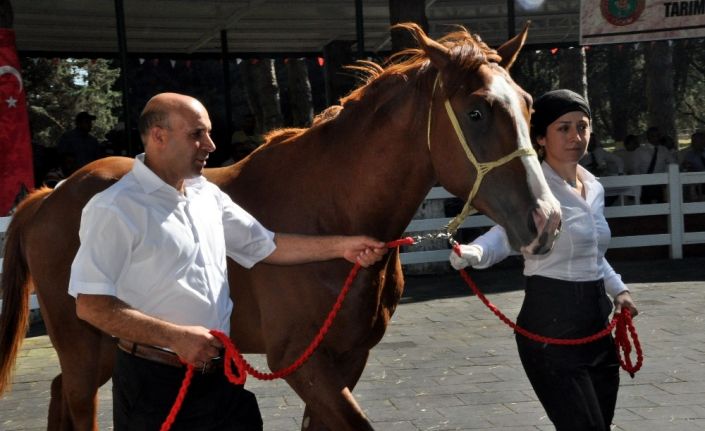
[[478, 136]]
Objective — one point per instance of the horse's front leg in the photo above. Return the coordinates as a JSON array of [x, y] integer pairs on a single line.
[[325, 383]]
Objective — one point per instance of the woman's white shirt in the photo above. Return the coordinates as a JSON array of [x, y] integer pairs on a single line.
[[578, 253]]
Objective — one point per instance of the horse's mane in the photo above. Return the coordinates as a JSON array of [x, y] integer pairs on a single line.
[[467, 53], [280, 135]]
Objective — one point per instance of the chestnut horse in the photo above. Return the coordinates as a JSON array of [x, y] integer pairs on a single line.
[[364, 168]]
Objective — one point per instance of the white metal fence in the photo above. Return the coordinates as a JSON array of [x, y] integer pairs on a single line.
[[620, 186]]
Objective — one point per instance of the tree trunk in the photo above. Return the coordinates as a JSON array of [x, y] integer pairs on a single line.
[[300, 98], [406, 11], [619, 68], [262, 90], [573, 70], [659, 87]]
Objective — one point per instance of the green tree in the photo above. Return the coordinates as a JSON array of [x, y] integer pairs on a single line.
[[57, 89], [536, 71], [617, 90], [689, 77]]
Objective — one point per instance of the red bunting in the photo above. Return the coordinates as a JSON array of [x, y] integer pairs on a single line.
[[16, 174]]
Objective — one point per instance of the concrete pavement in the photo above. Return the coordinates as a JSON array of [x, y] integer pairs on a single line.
[[447, 363]]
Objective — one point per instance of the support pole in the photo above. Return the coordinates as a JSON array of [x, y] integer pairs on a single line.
[[360, 29], [511, 19], [226, 81], [122, 45]]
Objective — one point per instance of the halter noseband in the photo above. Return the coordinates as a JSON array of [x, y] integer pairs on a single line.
[[481, 168]]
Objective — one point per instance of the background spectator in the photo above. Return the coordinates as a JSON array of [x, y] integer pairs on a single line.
[[601, 162], [80, 142], [694, 161]]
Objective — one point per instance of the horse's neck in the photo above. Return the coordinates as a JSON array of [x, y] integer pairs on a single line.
[[388, 164], [354, 174]]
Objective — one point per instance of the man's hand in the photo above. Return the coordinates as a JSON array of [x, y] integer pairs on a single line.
[[363, 249], [195, 345], [470, 254]]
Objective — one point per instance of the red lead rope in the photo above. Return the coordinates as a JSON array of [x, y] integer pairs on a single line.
[[621, 321], [232, 354]]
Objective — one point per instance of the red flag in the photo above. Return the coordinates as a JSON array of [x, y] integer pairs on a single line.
[[16, 174]]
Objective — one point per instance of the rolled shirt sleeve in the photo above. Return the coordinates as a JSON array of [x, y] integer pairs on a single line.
[[247, 241], [105, 250]]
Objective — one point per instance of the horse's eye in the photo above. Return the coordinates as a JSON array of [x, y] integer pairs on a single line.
[[475, 115]]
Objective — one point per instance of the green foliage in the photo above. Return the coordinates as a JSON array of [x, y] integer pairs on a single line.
[[58, 89], [617, 85], [536, 71], [616, 89], [689, 64]]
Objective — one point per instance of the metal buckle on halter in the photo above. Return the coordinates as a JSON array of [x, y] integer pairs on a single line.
[[441, 234]]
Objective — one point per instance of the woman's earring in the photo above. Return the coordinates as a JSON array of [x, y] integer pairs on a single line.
[[541, 152]]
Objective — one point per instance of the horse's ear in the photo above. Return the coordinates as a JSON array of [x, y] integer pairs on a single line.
[[510, 50], [437, 53]]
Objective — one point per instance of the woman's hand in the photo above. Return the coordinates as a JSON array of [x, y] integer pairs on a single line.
[[624, 299], [470, 255]]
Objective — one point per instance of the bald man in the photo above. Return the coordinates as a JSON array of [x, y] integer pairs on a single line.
[[162, 283]]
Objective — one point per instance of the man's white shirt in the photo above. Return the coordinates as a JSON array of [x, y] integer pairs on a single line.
[[163, 252]]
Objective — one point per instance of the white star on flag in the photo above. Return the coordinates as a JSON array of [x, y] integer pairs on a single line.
[[11, 102]]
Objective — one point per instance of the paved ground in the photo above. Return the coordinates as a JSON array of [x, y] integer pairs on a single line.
[[447, 363]]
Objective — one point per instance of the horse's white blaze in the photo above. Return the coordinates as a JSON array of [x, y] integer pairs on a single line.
[[549, 209], [503, 90]]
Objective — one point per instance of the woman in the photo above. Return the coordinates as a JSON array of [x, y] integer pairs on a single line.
[[566, 289]]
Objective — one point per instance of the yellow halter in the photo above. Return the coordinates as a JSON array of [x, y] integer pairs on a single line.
[[481, 168]]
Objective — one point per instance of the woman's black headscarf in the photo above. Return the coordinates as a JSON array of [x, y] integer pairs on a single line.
[[554, 104]]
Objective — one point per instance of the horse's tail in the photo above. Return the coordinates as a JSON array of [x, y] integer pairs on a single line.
[[14, 317]]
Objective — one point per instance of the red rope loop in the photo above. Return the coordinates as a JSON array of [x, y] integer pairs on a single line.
[[233, 355], [621, 323]]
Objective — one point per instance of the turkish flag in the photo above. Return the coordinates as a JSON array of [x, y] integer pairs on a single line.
[[16, 176]]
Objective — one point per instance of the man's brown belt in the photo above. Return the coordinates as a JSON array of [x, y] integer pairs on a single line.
[[165, 357]]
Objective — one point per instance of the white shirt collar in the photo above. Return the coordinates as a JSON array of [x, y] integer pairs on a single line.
[[583, 174], [151, 182]]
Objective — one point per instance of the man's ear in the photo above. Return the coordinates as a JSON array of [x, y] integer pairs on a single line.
[[159, 136]]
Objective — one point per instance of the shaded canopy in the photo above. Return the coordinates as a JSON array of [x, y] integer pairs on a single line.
[[186, 27]]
